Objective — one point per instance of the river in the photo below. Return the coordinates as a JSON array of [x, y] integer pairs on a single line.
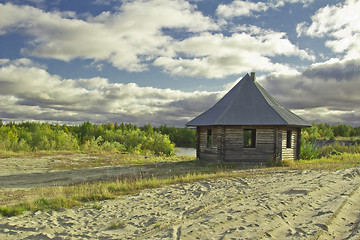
[[185, 151]]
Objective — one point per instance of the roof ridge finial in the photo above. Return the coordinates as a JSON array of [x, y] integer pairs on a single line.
[[253, 76]]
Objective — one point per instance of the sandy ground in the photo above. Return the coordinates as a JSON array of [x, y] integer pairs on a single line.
[[57, 178], [280, 205], [29, 172]]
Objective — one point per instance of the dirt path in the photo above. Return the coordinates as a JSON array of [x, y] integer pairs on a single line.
[[346, 221], [57, 178], [29, 172], [281, 205]]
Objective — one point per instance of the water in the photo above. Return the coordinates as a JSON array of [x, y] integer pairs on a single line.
[[185, 151]]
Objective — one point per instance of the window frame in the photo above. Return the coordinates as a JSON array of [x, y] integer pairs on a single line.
[[252, 138]]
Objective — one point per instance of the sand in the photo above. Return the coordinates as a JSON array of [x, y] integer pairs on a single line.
[[282, 205], [29, 172]]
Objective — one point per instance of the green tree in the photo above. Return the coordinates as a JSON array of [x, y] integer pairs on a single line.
[[148, 129]]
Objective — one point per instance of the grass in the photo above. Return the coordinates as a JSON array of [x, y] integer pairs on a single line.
[[58, 197], [331, 163], [117, 225], [8, 154], [77, 160], [39, 204], [101, 160], [96, 206]]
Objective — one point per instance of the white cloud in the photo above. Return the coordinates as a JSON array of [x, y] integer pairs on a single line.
[[326, 92], [216, 55], [3, 61], [339, 22], [133, 37], [239, 8], [128, 38], [28, 92]]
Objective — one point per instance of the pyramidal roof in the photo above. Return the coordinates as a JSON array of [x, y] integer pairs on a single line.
[[248, 103]]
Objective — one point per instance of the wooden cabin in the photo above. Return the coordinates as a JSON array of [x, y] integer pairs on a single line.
[[248, 126]]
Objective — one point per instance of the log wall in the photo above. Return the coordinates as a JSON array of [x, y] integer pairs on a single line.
[[289, 153], [207, 153], [227, 144], [235, 150]]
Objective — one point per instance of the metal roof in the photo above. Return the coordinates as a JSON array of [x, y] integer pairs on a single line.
[[248, 103]]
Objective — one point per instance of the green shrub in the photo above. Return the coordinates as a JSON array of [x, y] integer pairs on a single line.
[[308, 151], [159, 144], [12, 211], [326, 151], [30, 136]]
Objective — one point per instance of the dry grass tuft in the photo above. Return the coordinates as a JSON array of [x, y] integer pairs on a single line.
[[331, 163]]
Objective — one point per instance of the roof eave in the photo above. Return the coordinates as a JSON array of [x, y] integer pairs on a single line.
[[255, 125]]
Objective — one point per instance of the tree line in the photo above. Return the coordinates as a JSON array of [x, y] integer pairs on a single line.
[[88, 137], [329, 132]]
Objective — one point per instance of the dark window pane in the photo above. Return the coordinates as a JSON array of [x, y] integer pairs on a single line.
[[288, 138], [249, 138], [209, 138]]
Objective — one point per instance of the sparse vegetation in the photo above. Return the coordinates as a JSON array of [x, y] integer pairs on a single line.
[[309, 151], [39, 204], [96, 206], [69, 196], [333, 162], [117, 225], [328, 132]]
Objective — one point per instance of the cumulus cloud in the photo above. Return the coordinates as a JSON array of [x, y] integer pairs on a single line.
[[28, 92], [327, 91], [216, 55], [127, 38], [340, 22], [134, 36], [239, 8]]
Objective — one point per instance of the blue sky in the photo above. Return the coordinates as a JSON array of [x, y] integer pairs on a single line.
[[166, 61]]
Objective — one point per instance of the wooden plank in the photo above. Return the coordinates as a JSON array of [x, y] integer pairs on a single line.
[[228, 143]]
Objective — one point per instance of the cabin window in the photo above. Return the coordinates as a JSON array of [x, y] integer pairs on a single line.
[[209, 138], [288, 138], [249, 138]]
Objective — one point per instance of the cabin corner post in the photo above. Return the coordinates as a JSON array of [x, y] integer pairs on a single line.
[[298, 144], [220, 144], [198, 142], [278, 145]]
